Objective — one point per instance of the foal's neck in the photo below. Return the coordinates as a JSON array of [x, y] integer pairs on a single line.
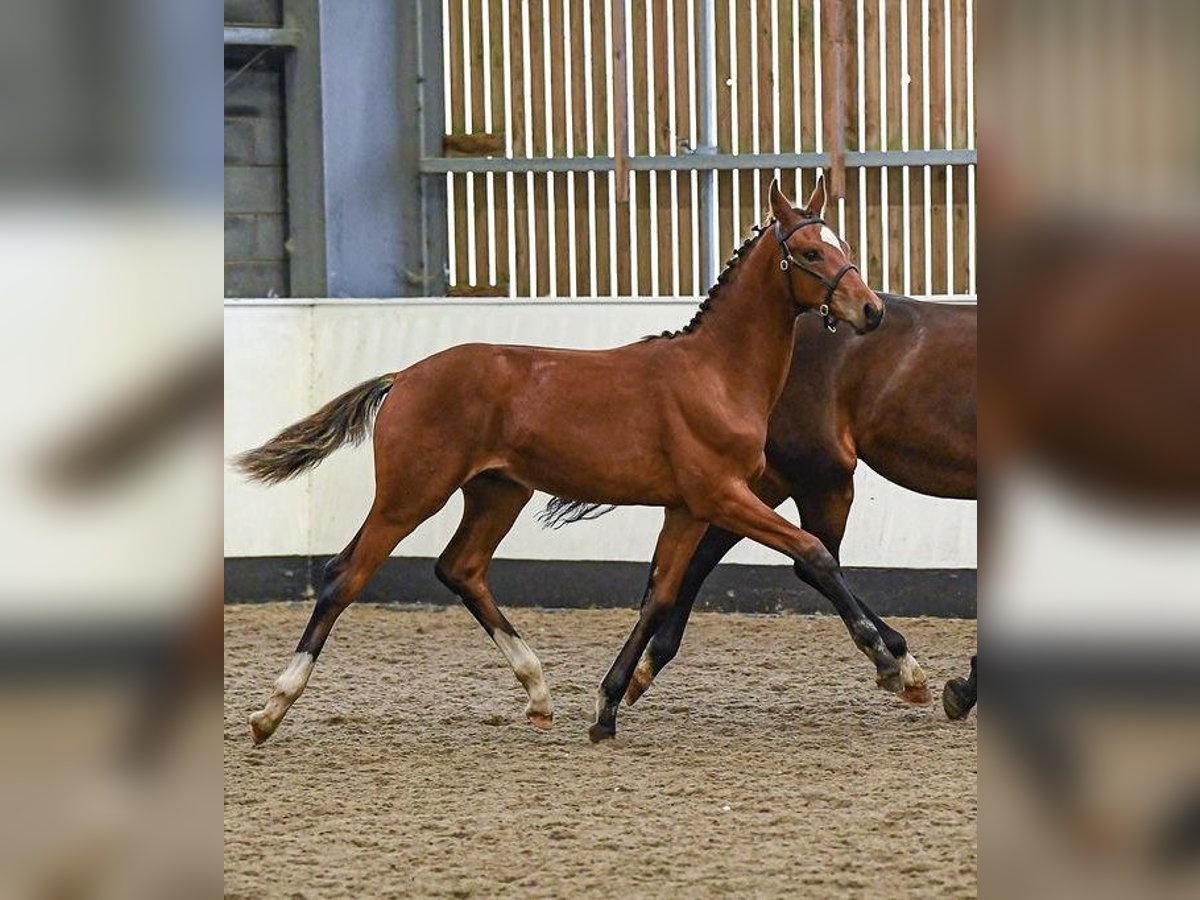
[[747, 334]]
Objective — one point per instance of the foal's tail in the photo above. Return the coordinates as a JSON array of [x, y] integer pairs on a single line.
[[343, 420]]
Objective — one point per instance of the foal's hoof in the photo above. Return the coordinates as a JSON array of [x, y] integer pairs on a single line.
[[538, 719], [642, 678], [916, 684], [261, 727], [891, 681], [956, 699], [601, 732]]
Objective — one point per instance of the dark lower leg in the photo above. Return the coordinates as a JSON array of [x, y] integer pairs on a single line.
[[744, 513], [664, 643], [615, 683], [346, 575], [960, 694], [676, 544], [491, 505]]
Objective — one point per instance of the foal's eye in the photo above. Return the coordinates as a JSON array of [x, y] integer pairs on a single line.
[[812, 255]]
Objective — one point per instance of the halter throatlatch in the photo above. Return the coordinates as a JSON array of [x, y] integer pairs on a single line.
[[831, 284]]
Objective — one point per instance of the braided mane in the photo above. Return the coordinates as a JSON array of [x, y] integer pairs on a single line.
[[560, 511], [756, 231]]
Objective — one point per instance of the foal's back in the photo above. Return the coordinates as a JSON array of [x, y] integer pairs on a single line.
[[547, 418]]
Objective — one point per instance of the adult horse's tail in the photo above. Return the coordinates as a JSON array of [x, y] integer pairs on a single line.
[[343, 420]]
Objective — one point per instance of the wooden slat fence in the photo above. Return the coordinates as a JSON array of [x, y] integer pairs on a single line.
[[534, 79]]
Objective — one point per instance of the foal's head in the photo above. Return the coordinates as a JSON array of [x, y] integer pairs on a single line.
[[817, 266]]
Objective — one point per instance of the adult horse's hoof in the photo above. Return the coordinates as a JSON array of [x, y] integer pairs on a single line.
[[956, 698], [601, 732], [537, 719], [261, 727]]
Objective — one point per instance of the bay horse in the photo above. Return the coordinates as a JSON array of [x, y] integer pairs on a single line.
[[904, 402], [678, 422]]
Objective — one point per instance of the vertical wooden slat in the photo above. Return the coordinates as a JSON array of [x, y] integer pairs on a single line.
[[724, 96], [835, 71], [499, 212], [663, 129], [849, 113], [620, 57], [872, 253], [477, 184], [600, 54], [894, 141], [579, 128], [538, 246], [458, 125], [745, 124], [639, 120], [787, 90], [683, 66], [938, 134], [622, 114], [958, 134], [916, 139], [766, 87], [807, 48], [522, 238], [559, 92]]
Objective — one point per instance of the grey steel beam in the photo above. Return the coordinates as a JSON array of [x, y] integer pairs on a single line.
[[431, 120], [237, 36], [703, 162], [305, 150], [706, 136]]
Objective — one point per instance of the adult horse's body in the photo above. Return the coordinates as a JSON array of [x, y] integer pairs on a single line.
[[904, 402], [678, 423]]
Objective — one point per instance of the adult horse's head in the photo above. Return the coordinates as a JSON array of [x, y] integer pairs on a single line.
[[817, 267]]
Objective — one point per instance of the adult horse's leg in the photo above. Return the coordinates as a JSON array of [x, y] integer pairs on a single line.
[[741, 511], [824, 509], [959, 695], [491, 505], [677, 541], [345, 576]]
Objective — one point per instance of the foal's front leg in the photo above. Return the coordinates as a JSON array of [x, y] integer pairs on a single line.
[[677, 541], [742, 512]]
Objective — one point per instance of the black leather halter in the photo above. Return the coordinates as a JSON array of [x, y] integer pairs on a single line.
[[831, 284]]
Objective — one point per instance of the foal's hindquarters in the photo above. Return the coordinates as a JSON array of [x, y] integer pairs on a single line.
[[428, 443]]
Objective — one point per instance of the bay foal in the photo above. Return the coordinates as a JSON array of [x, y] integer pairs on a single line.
[[678, 423]]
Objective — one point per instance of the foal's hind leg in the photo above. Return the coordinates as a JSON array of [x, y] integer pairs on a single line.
[[490, 506], [345, 575], [680, 534]]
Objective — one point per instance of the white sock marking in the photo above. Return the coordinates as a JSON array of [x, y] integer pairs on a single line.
[[528, 669], [295, 677], [910, 671]]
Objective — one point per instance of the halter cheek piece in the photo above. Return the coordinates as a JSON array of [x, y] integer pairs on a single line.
[[831, 284]]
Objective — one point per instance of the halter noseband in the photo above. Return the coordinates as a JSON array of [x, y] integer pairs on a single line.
[[831, 284]]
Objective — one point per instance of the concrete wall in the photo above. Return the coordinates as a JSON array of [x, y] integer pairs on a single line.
[[284, 359]]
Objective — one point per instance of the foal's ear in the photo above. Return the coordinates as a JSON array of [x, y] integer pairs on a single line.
[[781, 206], [816, 202]]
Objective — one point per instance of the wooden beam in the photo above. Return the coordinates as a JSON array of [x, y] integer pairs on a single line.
[[620, 103]]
